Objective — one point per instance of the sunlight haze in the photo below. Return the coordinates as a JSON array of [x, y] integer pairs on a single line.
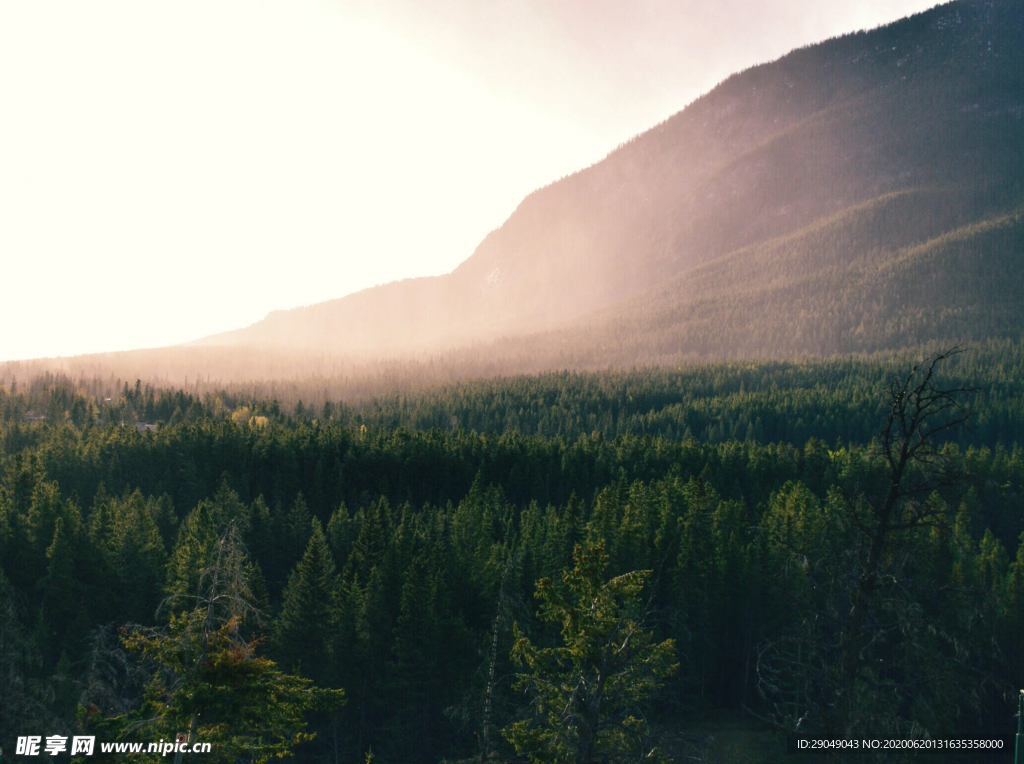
[[173, 170]]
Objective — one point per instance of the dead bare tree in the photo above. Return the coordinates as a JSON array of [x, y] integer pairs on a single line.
[[117, 676], [865, 642]]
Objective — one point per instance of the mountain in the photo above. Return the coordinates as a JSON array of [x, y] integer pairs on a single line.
[[862, 194]]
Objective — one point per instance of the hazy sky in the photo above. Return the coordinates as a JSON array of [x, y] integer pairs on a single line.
[[169, 170]]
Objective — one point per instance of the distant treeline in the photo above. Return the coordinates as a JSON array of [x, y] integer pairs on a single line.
[[768, 402]]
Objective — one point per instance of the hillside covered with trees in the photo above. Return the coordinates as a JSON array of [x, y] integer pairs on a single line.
[[856, 195]]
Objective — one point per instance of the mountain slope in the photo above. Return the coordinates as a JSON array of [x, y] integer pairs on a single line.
[[858, 194], [960, 286]]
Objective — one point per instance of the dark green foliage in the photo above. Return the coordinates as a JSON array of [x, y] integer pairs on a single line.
[[589, 695], [214, 685], [202, 673], [131, 552], [392, 562], [395, 523], [25, 702], [883, 635], [197, 540], [308, 627]]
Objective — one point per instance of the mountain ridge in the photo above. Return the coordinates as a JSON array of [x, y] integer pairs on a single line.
[[765, 154], [705, 236]]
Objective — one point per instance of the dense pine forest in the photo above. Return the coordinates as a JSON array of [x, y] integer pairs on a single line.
[[393, 528], [832, 547]]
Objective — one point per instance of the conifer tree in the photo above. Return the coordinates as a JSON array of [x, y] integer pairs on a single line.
[[308, 627], [197, 537], [697, 579], [126, 536], [208, 680], [588, 693], [1012, 611], [24, 701], [341, 533], [413, 672], [61, 621]]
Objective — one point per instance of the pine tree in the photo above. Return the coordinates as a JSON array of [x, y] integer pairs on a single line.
[[209, 680], [341, 533], [25, 704], [588, 692], [126, 536], [308, 627], [61, 621], [413, 673], [697, 579], [197, 537]]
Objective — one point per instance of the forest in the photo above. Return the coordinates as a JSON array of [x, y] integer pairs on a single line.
[[555, 506], [829, 547]]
